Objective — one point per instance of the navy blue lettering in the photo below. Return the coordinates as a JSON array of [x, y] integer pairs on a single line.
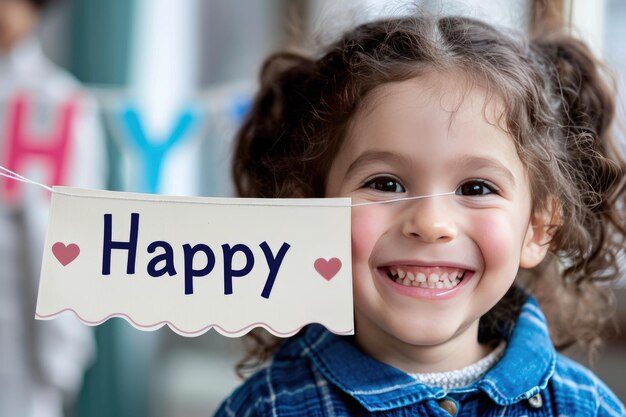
[[274, 265], [190, 272], [167, 256], [229, 272], [109, 244]]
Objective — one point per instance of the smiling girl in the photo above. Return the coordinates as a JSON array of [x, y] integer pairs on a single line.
[[507, 146]]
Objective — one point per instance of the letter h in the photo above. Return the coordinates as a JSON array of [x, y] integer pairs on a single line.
[[22, 147], [109, 244]]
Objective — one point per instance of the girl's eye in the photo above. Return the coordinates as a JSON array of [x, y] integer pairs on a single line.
[[385, 184], [476, 187]]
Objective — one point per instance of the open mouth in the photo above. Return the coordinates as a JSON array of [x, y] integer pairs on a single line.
[[426, 277]]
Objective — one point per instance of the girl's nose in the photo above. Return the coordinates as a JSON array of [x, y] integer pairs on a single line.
[[430, 221]]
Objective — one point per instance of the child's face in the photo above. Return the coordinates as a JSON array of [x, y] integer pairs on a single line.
[[424, 136]]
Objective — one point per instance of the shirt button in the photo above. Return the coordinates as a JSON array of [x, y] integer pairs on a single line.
[[449, 405], [535, 401]]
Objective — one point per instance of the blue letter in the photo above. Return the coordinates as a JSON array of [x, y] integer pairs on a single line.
[[167, 257], [153, 150], [229, 273], [190, 252], [274, 265], [109, 244]]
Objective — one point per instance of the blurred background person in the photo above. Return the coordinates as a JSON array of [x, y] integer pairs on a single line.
[[49, 132]]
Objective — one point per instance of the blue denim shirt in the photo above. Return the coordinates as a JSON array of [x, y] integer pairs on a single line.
[[320, 374]]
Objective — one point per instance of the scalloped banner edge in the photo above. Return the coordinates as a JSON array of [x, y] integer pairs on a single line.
[[152, 327]]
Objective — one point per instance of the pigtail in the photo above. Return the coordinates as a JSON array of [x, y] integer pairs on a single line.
[[591, 231], [263, 142], [586, 111]]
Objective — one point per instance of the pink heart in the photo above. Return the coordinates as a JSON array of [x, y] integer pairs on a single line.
[[327, 269], [65, 254]]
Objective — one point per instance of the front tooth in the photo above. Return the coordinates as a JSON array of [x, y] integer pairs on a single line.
[[420, 277], [401, 273], [410, 276], [431, 285], [433, 278]]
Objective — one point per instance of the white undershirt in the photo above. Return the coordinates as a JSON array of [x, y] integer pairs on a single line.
[[462, 377]]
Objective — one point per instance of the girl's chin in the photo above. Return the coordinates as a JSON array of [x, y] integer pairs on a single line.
[[422, 335], [418, 332], [422, 349]]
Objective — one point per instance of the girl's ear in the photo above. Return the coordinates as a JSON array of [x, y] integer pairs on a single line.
[[541, 228]]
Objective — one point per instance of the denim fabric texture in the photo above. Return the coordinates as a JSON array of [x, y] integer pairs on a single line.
[[319, 374]]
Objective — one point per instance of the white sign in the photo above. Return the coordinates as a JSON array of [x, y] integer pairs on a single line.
[[198, 263]]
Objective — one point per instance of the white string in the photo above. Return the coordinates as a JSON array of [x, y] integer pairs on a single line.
[[395, 200], [5, 172], [162, 199]]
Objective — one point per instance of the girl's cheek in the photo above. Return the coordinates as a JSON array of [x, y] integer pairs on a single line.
[[498, 238], [368, 224]]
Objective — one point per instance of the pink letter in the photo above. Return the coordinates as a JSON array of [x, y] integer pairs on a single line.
[[21, 147]]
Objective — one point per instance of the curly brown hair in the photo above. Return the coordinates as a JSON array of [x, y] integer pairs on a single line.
[[557, 108]]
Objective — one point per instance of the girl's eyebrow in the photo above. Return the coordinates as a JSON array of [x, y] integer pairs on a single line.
[[478, 162], [370, 156]]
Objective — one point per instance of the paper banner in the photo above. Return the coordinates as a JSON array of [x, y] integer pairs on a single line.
[[198, 263]]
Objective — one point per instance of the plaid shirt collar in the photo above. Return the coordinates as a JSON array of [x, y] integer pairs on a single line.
[[378, 386]]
